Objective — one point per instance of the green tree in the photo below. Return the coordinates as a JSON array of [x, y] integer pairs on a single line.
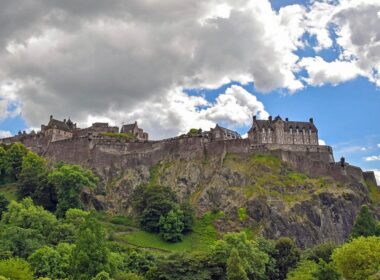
[[365, 223], [358, 259], [188, 217], [90, 255], [69, 181], [3, 205], [50, 262], [16, 269], [326, 271], [3, 173], [322, 251], [32, 175], [253, 259], [29, 216], [171, 226], [235, 270], [304, 271], [287, 256], [181, 266], [269, 247], [152, 202], [102, 276], [76, 217], [63, 232], [140, 262], [13, 161], [20, 242]]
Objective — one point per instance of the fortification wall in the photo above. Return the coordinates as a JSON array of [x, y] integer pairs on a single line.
[[108, 155]]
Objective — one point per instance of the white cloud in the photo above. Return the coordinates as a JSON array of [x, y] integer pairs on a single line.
[[69, 58], [356, 27], [349, 149], [110, 60], [321, 142], [322, 72], [177, 112], [377, 175], [378, 145], [5, 134], [372, 158]]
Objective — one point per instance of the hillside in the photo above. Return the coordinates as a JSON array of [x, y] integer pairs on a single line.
[[257, 193]]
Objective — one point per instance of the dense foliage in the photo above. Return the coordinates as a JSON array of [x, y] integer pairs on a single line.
[[47, 234], [158, 211]]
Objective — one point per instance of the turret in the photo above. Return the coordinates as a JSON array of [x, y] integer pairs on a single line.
[[311, 120]]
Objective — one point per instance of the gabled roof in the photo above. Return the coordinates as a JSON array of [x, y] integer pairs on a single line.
[[129, 127], [270, 124], [53, 123], [227, 130]]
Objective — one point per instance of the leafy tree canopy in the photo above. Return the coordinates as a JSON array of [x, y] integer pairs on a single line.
[[365, 223], [358, 259], [235, 270], [16, 268], [69, 181]]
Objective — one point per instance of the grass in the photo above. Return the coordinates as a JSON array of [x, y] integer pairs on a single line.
[[126, 135], [374, 192], [269, 177], [9, 191], [203, 235]]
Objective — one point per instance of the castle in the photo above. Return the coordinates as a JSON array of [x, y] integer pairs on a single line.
[[271, 131], [280, 131], [105, 148]]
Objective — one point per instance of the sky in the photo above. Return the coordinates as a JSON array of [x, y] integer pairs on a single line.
[[175, 65]]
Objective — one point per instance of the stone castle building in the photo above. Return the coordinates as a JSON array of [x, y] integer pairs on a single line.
[[221, 133], [279, 131], [134, 129]]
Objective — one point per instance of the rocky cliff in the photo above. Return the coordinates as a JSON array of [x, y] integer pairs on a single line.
[[256, 192], [273, 190]]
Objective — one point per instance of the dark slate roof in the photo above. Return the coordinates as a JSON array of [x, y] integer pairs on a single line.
[[270, 124], [128, 127], [227, 130], [53, 123]]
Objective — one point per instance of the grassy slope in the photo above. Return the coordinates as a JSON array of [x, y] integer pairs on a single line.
[[273, 179], [125, 233]]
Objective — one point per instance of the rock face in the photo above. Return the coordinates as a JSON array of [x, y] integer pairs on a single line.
[[270, 189], [277, 199]]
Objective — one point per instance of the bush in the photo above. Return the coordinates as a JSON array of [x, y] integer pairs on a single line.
[[365, 223], [358, 259], [16, 268], [171, 226]]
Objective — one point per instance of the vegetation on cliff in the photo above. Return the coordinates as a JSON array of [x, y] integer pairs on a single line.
[[45, 231]]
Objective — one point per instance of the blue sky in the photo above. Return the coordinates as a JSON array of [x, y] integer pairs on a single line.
[[307, 60]]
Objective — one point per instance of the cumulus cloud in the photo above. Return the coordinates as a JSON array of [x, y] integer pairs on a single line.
[[377, 175], [91, 59], [378, 145], [354, 26], [322, 72], [177, 112], [372, 158], [88, 58], [5, 134], [321, 142]]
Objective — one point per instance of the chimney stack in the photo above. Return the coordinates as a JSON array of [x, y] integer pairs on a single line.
[[311, 120]]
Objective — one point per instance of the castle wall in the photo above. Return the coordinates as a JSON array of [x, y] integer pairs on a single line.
[[107, 154]]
